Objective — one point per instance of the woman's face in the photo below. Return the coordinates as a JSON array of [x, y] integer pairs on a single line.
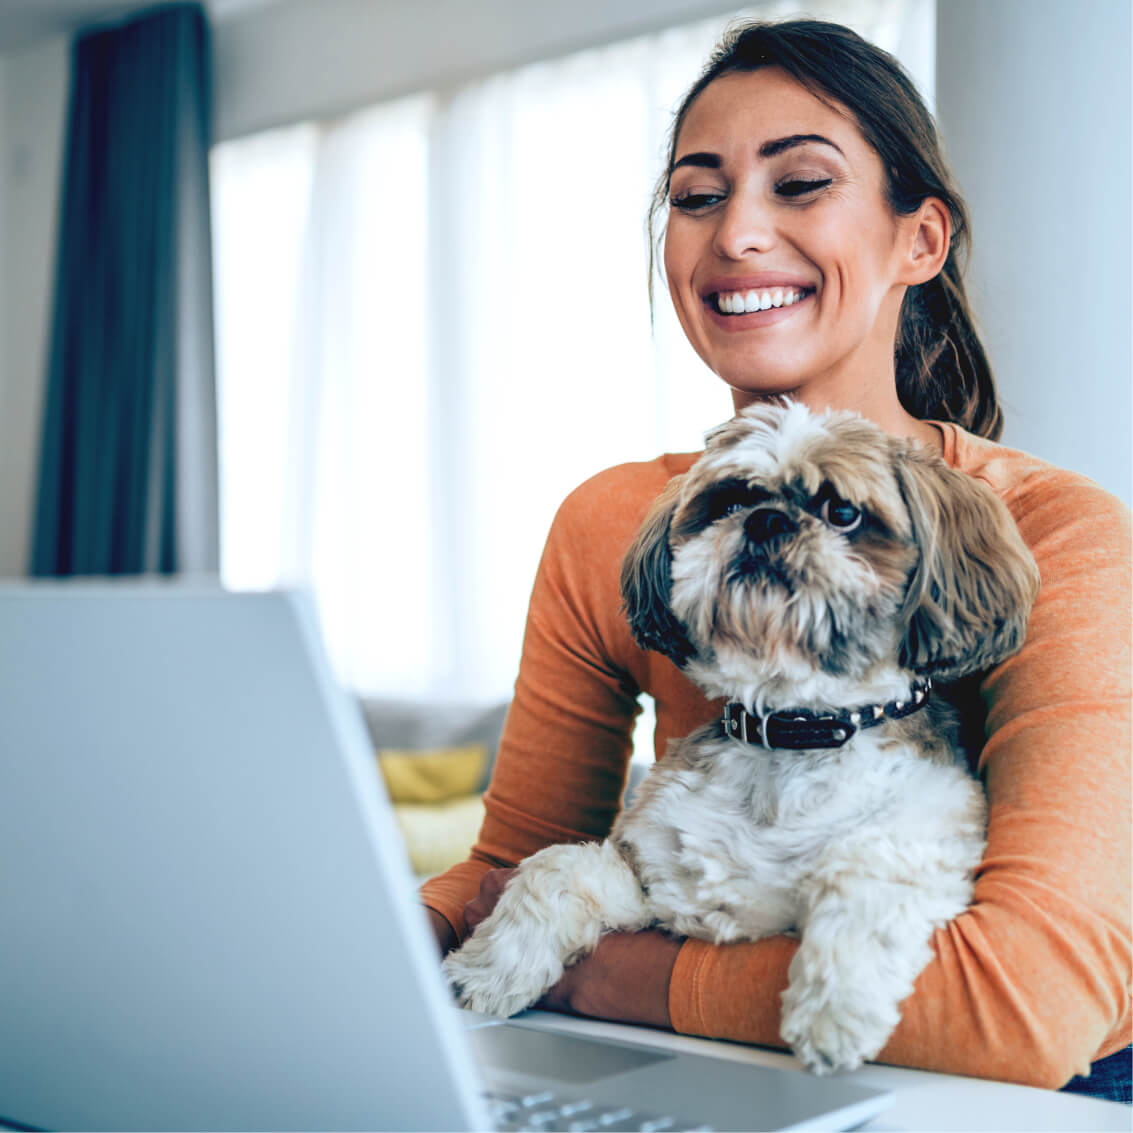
[[784, 259]]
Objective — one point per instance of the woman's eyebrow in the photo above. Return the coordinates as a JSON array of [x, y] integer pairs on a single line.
[[778, 145], [768, 149], [703, 160]]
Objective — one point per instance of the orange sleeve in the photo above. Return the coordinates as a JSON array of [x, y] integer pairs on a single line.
[[1032, 983], [564, 753]]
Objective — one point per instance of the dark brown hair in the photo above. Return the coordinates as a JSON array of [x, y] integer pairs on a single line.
[[942, 370]]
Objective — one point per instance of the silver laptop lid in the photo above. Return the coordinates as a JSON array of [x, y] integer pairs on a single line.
[[206, 912]]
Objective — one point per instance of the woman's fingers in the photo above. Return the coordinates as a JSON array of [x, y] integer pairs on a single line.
[[491, 886]]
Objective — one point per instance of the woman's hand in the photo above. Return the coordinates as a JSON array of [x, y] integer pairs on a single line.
[[491, 887], [478, 909], [626, 978]]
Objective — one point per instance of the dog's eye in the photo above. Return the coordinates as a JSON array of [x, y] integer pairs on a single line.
[[840, 515], [733, 496]]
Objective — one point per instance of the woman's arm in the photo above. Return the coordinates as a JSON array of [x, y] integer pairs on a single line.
[[626, 978], [563, 757]]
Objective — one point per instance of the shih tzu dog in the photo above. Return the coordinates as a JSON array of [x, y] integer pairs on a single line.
[[819, 575]]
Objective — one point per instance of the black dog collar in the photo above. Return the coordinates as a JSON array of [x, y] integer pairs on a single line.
[[797, 729]]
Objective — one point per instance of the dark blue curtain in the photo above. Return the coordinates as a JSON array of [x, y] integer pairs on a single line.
[[128, 467]]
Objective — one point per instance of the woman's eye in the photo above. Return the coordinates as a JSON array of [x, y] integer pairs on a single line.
[[800, 187], [840, 515], [695, 202]]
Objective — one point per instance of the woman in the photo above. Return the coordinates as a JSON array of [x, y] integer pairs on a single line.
[[814, 247]]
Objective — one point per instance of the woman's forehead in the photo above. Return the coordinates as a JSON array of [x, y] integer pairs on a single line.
[[755, 107]]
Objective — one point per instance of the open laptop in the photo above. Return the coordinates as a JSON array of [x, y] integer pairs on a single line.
[[208, 920]]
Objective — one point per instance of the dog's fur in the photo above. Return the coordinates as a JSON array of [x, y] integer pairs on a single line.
[[861, 850]]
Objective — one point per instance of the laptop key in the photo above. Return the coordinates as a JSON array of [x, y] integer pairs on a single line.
[[543, 1112], [572, 1109], [614, 1116], [543, 1118], [622, 1118], [632, 1122], [534, 1101]]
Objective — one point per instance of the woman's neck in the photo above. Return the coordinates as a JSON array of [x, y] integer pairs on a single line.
[[886, 412]]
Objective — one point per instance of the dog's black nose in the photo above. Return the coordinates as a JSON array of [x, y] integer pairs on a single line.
[[768, 522]]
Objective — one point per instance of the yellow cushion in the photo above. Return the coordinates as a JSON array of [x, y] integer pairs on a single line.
[[438, 835], [433, 776]]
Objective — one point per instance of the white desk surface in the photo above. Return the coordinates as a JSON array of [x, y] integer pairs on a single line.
[[924, 1100]]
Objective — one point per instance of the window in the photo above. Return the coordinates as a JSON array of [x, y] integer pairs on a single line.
[[433, 324]]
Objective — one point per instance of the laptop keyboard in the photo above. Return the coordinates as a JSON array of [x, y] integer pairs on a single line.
[[544, 1111]]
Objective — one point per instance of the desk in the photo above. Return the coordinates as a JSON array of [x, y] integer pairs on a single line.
[[925, 1100]]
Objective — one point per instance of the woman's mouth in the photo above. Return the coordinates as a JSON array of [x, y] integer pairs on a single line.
[[763, 299]]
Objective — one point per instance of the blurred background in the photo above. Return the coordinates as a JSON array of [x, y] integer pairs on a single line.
[[351, 293]]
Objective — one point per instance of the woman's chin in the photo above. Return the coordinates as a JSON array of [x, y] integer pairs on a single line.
[[747, 390], [757, 377]]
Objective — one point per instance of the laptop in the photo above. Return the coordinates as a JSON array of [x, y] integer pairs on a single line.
[[208, 916]]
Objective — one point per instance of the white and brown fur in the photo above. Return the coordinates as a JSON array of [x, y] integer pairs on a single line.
[[862, 851]]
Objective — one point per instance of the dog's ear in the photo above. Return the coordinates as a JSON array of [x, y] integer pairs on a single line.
[[647, 582], [971, 593]]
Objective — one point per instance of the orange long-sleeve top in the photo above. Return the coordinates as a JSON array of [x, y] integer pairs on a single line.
[[1032, 982]]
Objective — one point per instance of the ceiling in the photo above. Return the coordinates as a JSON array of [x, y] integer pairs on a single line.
[[24, 22]]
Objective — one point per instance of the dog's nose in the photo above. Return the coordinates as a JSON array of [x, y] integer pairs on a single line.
[[767, 522]]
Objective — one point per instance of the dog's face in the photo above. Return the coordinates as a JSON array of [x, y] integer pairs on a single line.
[[803, 543]]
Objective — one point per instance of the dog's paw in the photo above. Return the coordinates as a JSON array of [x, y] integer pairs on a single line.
[[830, 1033], [484, 989], [485, 981]]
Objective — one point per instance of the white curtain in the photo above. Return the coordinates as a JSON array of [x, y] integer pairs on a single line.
[[433, 324]]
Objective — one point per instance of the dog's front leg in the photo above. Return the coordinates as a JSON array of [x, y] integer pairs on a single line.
[[552, 913], [864, 942]]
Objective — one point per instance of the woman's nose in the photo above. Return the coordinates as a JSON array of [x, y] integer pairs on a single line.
[[745, 226]]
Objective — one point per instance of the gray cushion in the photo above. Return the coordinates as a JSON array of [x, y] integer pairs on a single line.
[[417, 724]]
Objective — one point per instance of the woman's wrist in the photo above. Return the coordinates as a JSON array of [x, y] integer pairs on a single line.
[[442, 930], [625, 979]]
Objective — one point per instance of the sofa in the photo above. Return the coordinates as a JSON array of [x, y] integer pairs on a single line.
[[436, 760]]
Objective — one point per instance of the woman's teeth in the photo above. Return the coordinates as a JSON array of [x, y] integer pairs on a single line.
[[743, 302]]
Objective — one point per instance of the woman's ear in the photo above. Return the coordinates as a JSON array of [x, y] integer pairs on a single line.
[[927, 240]]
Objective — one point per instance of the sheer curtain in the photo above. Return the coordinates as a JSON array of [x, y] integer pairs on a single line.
[[433, 324]]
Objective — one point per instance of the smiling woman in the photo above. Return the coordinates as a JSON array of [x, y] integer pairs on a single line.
[[804, 187], [810, 214], [804, 170]]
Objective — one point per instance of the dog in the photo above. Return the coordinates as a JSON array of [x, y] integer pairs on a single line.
[[819, 575]]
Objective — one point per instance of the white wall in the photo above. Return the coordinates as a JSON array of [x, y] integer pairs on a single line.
[[299, 59], [1033, 101], [33, 96]]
